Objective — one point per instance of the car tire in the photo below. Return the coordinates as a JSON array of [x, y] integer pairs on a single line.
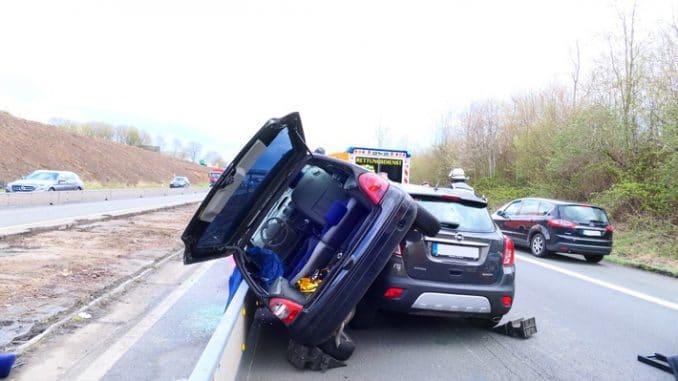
[[78, 188], [538, 245], [341, 352], [50, 190], [364, 317], [593, 258], [426, 222]]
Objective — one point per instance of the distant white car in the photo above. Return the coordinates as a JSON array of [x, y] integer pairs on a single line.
[[45, 181], [180, 182]]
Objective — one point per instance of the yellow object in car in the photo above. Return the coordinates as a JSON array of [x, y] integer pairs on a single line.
[[308, 285]]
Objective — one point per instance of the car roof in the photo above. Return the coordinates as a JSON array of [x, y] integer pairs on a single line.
[[423, 190], [557, 202]]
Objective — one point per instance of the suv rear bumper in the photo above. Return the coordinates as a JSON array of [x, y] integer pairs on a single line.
[[421, 297], [577, 248]]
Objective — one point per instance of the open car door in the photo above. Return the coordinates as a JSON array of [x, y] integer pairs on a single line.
[[243, 189]]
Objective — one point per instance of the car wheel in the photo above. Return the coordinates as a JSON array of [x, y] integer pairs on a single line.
[[78, 188], [364, 317], [50, 190], [341, 352], [593, 258], [538, 245], [426, 222]]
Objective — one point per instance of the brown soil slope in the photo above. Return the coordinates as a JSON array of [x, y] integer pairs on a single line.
[[27, 145]]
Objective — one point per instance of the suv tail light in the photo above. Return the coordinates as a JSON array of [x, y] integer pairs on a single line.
[[374, 186], [560, 223], [284, 309], [509, 256]]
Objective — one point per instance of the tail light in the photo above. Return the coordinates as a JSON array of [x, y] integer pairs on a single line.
[[394, 292], [509, 256], [609, 228], [506, 300], [284, 309], [374, 186], [560, 223]]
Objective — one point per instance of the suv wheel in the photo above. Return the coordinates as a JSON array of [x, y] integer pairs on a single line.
[[538, 245], [593, 258]]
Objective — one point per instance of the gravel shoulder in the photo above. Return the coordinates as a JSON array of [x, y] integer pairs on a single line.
[[46, 276]]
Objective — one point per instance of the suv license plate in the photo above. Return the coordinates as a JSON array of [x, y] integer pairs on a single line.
[[592, 233], [458, 251]]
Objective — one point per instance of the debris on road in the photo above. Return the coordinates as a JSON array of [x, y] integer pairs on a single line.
[[667, 364], [311, 358], [522, 328]]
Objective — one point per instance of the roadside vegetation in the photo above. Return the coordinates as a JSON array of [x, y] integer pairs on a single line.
[[609, 137]]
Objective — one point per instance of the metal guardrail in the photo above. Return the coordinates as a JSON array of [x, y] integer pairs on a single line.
[[64, 197], [221, 358]]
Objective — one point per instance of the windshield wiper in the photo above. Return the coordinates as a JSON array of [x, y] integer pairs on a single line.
[[451, 225]]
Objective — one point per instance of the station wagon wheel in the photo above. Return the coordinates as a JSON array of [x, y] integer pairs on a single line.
[[538, 245], [593, 258]]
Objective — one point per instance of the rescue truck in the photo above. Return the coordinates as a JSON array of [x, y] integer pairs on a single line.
[[393, 163]]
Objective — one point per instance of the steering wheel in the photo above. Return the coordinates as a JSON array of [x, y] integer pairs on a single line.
[[274, 232]]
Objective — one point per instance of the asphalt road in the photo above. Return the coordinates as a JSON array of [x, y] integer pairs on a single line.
[[593, 320], [14, 219]]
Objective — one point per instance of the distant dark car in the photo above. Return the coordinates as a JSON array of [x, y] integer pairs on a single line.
[[467, 270], [547, 226], [46, 181], [308, 232], [180, 182]]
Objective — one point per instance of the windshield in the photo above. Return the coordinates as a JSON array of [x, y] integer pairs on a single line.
[[581, 213], [42, 176], [469, 218]]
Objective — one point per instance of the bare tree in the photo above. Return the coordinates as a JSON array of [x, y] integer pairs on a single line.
[[381, 133], [193, 150]]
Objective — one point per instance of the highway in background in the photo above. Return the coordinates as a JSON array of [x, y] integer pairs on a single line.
[[15, 219], [593, 320]]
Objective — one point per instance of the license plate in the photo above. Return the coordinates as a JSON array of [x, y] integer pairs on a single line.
[[592, 233], [457, 251]]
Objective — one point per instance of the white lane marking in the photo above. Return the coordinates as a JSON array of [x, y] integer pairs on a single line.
[[624, 290], [105, 361]]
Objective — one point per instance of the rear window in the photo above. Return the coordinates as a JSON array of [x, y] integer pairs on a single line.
[[469, 218], [581, 213]]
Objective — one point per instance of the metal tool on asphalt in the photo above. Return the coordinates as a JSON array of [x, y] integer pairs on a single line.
[[667, 364], [522, 328]]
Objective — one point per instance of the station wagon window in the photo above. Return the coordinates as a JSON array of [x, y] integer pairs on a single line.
[[544, 207], [530, 207], [513, 208]]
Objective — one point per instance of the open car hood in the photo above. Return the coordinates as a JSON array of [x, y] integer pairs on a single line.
[[242, 190]]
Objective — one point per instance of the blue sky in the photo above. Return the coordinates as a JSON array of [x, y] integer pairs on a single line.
[[214, 71]]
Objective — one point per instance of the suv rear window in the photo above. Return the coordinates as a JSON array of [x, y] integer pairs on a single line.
[[469, 218], [582, 213]]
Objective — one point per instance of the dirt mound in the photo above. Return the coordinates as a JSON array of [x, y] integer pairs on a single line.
[[27, 145]]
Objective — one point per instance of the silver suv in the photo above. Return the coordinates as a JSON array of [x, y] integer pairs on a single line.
[[45, 180]]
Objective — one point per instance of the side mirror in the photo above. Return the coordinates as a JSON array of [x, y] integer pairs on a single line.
[[501, 213]]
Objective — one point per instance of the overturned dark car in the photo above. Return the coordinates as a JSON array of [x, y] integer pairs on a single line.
[[309, 233]]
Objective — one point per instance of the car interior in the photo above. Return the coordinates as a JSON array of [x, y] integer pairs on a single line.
[[302, 239]]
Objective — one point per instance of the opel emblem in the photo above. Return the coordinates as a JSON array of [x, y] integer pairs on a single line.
[[459, 237]]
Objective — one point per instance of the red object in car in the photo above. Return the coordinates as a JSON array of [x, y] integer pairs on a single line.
[[394, 292]]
